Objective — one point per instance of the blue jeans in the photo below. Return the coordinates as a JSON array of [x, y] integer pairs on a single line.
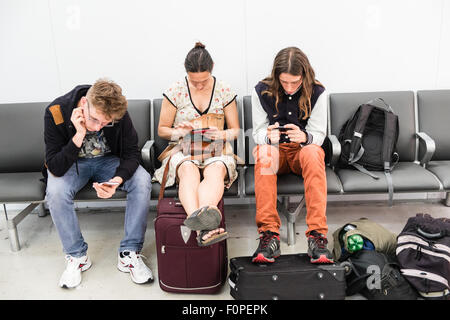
[[62, 190]]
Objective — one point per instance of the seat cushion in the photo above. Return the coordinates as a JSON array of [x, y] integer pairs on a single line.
[[406, 177], [441, 170], [291, 184], [170, 192], [21, 187]]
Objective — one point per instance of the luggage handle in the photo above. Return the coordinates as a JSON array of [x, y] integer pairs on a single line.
[[429, 235]]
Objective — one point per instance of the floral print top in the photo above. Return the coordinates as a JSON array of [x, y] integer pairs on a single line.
[[179, 96]]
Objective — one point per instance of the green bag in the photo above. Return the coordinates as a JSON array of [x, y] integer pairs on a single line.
[[383, 240]]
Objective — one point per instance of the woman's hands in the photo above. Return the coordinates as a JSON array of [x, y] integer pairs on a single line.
[[213, 133], [181, 129]]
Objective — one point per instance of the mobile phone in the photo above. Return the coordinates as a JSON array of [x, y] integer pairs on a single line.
[[200, 131], [283, 128], [110, 183]]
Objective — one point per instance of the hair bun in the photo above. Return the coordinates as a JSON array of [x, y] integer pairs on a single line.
[[199, 45]]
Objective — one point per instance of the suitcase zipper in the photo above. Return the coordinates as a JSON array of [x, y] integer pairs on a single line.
[[199, 288], [164, 248]]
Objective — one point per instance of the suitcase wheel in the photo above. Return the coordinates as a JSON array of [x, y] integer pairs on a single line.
[[347, 267]]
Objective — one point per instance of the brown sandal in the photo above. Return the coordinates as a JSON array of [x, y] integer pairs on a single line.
[[211, 240]]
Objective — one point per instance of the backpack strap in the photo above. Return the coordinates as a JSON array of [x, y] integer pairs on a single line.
[[390, 128], [355, 146], [360, 168]]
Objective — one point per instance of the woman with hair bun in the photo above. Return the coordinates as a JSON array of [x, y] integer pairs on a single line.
[[201, 183]]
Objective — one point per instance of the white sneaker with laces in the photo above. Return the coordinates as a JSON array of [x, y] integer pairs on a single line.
[[131, 262], [71, 277]]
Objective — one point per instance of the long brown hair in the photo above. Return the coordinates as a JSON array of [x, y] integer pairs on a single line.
[[293, 61]]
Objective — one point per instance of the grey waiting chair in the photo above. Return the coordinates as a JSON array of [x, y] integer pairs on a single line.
[[21, 161], [23, 154], [407, 175], [434, 117]]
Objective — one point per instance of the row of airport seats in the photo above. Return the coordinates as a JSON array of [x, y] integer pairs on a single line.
[[423, 147]]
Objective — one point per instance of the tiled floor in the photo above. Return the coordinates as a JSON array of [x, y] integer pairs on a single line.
[[34, 271]]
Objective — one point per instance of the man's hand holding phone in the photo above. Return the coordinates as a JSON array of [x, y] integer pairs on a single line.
[[107, 189]]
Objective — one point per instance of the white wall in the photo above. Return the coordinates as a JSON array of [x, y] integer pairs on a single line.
[[49, 46]]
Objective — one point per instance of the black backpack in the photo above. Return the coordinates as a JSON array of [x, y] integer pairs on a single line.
[[368, 141], [376, 276], [423, 252]]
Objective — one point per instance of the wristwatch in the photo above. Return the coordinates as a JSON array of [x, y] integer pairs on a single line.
[[309, 139]]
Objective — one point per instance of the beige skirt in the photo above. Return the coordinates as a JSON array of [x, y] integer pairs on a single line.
[[178, 157]]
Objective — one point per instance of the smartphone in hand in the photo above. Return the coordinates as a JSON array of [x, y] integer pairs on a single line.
[[199, 131], [109, 183], [283, 128]]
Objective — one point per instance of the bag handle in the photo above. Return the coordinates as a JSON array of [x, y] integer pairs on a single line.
[[430, 235], [386, 105]]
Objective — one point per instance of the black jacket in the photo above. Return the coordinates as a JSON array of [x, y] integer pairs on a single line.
[[60, 151], [288, 110]]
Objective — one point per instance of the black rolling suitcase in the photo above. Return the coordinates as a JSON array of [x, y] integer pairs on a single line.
[[290, 277]]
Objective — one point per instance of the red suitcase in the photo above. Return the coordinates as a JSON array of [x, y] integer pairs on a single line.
[[183, 266]]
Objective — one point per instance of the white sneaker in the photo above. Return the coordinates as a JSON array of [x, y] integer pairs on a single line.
[[131, 261], [71, 277]]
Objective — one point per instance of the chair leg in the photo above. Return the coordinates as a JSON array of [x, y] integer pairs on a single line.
[[12, 225], [12, 232], [13, 238], [291, 217], [447, 199], [41, 210]]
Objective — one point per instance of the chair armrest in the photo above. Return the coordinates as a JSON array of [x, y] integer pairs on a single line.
[[240, 144], [147, 153], [332, 148], [427, 147]]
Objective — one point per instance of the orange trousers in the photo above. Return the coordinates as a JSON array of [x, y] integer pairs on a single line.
[[309, 161]]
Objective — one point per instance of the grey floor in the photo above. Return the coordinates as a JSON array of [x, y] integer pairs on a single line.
[[34, 271]]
